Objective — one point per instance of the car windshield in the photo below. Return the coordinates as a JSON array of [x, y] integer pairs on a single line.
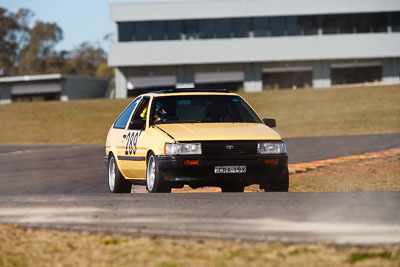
[[201, 109]]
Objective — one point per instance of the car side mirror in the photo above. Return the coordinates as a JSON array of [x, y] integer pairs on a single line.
[[137, 124], [270, 122]]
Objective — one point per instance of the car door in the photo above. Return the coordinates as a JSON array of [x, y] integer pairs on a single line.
[[116, 136], [133, 160]]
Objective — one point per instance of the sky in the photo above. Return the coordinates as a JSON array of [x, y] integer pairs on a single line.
[[80, 20]]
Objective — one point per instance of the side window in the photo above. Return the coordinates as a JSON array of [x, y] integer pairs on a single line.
[[140, 114], [122, 120]]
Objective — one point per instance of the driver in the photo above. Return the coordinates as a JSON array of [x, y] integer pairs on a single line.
[[160, 112]]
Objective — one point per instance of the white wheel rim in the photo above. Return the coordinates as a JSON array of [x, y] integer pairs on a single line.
[[151, 173], [111, 174]]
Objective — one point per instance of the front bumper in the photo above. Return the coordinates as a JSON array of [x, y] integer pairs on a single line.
[[173, 169]]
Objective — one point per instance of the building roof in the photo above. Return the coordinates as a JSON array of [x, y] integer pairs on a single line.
[[204, 9], [26, 78]]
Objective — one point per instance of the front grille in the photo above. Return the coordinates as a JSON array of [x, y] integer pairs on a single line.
[[229, 148]]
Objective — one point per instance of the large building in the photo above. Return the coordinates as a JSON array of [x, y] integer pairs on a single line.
[[254, 44]]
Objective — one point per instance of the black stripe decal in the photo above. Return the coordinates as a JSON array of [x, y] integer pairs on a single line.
[[131, 158]]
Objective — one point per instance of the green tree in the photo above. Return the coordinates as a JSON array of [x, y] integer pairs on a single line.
[[57, 62], [14, 33], [89, 60], [41, 46], [103, 71], [7, 44]]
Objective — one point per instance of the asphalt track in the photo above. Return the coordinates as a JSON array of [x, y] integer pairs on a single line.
[[362, 218], [80, 169], [64, 186]]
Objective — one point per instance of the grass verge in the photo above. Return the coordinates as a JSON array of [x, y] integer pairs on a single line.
[[28, 247], [338, 111], [308, 112], [380, 174]]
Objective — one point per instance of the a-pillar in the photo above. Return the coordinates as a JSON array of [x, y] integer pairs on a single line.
[[391, 70], [121, 90], [253, 78], [184, 77], [5, 94], [321, 76]]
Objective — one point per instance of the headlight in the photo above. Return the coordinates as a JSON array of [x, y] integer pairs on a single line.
[[182, 149], [271, 148]]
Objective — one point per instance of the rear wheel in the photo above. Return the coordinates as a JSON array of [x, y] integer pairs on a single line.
[[154, 183], [116, 181]]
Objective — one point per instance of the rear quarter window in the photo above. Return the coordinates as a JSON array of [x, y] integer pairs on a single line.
[[122, 120]]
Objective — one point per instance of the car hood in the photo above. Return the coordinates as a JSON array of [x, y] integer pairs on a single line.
[[219, 131]]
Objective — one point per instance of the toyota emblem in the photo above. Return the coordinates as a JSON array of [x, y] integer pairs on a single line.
[[229, 147]]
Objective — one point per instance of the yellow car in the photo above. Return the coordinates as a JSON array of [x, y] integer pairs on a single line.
[[171, 138]]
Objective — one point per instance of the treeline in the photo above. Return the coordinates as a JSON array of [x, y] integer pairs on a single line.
[[28, 49]]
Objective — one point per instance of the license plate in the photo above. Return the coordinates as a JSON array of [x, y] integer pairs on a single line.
[[230, 169]]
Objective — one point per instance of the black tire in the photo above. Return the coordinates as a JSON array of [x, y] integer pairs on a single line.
[[154, 181], [277, 186], [116, 181], [232, 188]]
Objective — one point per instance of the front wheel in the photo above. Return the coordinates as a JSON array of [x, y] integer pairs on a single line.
[[116, 181], [154, 183], [232, 188], [277, 186]]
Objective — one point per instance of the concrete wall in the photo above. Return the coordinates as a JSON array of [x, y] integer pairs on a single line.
[[5, 94], [121, 83], [68, 87], [39, 87], [251, 74], [84, 87], [28, 87], [173, 10], [296, 48], [391, 70]]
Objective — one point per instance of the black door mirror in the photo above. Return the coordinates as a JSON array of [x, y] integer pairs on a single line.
[[270, 122], [137, 124]]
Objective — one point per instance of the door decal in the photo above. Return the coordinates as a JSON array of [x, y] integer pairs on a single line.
[[131, 142]]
